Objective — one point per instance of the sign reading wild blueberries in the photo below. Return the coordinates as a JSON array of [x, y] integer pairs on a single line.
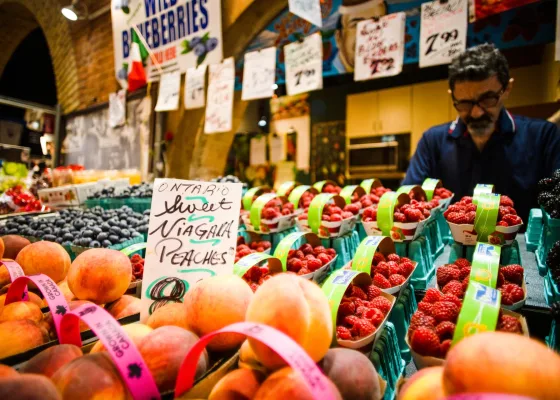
[[192, 236]]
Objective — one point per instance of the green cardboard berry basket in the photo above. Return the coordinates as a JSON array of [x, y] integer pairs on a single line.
[[419, 250], [75, 251], [136, 203], [386, 357], [509, 254], [400, 317], [534, 229], [551, 290], [550, 235], [553, 339]]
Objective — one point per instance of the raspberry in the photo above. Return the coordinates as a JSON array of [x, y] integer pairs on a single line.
[[470, 217], [395, 269], [314, 264], [432, 295], [445, 311], [343, 333], [465, 272], [370, 212], [457, 218], [363, 328], [399, 217], [382, 304], [393, 257], [294, 264], [373, 292], [454, 287], [381, 282], [359, 302], [353, 208], [347, 214], [306, 249], [445, 330], [512, 220], [462, 262], [453, 299], [466, 199], [383, 269], [396, 280], [304, 271], [255, 273], [444, 347], [135, 258], [319, 249], [501, 279], [419, 319], [358, 292], [446, 274], [425, 307], [506, 201], [336, 218], [425, 342], [392, 265], [324, 258], [299, 254], [253, 286], [406, 267], [465, 283], [513, 273], [360, 311], [350, 320], [507, 323], [515, 292], [502, 223], [413, 215], [346, 308], [375, 315], [378, 257]]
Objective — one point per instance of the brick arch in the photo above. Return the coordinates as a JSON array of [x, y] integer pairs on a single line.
[[19, 18]]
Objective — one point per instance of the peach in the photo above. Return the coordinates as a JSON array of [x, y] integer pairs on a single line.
[[28, 387], [120, 306], [170, 314], [44, 257], [19, 336], [2, 248], [298, 308], [288, 384], [507, 363], [248, 359], [33, 298], [237, 384], [426, 384], [353, 374], [21, 310], [51, 360], [93, 376], [100, 275], [215, 303], [7, 371], [13, 244], [136, 333], [164, 350], [65, 290]]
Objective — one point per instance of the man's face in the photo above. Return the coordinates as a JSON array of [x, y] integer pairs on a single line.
[[489, 96]]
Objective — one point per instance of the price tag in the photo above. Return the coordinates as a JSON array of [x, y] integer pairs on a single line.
[[380, 47], [259, 73], [304, 65], [194, 88], [443, 31], [168, 96], [219, 110], [191, 236], [309, 10]]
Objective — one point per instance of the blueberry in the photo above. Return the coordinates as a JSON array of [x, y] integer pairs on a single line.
[[95, 244], [114, 238], [59, 240], [64, 231], [60, 223], [211, 44], [68, 237], [102, 236], [67, 243], [195, 40], [122, 240], [50, 238], [105, 227], [147, 212], [88, 233], [125, 233], [37, 233], [143, 229], [106, 243], [79, 223], [199, 50], [115, 230], [12, 231], [135, 234]]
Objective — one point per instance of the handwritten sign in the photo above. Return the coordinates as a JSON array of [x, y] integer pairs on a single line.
[[259, 73], [194, 88], [304, 65], [309, 10], [443, 31], [192, 235], [168, 96], [379, 47], [117, 108], [219, 109]]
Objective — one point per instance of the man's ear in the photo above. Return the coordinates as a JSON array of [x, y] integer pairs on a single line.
[[509, 87]]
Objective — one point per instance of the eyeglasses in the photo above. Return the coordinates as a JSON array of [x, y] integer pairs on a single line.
[[486, 101]]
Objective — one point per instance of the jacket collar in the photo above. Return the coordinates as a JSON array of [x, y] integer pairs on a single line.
[[505, 124]]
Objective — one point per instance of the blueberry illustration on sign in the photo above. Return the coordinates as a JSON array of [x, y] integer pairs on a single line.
[[61, 310], [200, 46], [134, 370]]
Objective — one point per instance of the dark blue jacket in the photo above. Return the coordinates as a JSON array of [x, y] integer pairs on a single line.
[[520, 153]]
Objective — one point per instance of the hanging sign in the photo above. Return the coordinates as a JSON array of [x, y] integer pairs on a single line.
[[194, 88], [443, 31], [379, 47], [219, 110], [259, 73], [117, 108], [192, 236], [309, 10], [181, 34], [304, 65], [169, 87]]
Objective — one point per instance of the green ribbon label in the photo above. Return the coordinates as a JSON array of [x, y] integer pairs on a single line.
[[486, 215], [249, 261], [405, 189], [315, 213], [285, 246], [319, 185], [248, 197], [483, 188], [385, 211], [257, 208], [368, 184], [347, 192], [285, 187], [485, 265], [429, 186], [295, 195], [365, 253], [134, 248], [479, 313]]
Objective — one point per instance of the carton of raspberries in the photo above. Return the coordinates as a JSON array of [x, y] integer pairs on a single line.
[[277, 214], [362, 313], [432, 327], [337, 217], [329, 187], [443, 196], [454, 279], [461, 218], [255, 245], [302, 196], [257, 268], [137, 268]]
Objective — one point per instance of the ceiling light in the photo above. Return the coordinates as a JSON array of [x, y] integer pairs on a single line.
[[77, 10]]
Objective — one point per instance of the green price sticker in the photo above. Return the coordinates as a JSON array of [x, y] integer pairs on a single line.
[[368, 184], [479, 313], [486, 215], [315, 213], [296, 194], [285, 245], [257, 207], [485, 265], [249, 261], [366, 251], [134, 248], [248, 197], [429, 186], [285, 187]]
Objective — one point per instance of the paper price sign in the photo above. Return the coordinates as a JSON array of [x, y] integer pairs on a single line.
[[220, 97], [304, 65], [168, 96], [379, 47], [194, 88], [443, 31], [309, 10], [192, 236], [259, 73]]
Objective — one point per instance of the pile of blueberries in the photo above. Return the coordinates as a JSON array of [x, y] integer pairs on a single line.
[[94, 227], [143, 190]]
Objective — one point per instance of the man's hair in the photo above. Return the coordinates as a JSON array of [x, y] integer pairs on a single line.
[[477, 64]]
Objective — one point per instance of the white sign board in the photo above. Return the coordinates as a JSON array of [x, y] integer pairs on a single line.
[[168, 96], [443, 31], [259, 73], [304, 65], [192, 236], [181, 34], [195, 84], [380, 47], [309, 10], [117, 108], [219, 108]]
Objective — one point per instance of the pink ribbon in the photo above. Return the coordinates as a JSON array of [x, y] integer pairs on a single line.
[[15, 271]]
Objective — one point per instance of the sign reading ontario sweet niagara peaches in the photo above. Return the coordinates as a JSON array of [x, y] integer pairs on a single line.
[[192, 235]]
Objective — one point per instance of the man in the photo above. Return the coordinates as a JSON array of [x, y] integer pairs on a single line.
[[486, 144]]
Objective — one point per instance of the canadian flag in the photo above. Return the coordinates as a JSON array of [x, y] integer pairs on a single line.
[[137, 74]]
